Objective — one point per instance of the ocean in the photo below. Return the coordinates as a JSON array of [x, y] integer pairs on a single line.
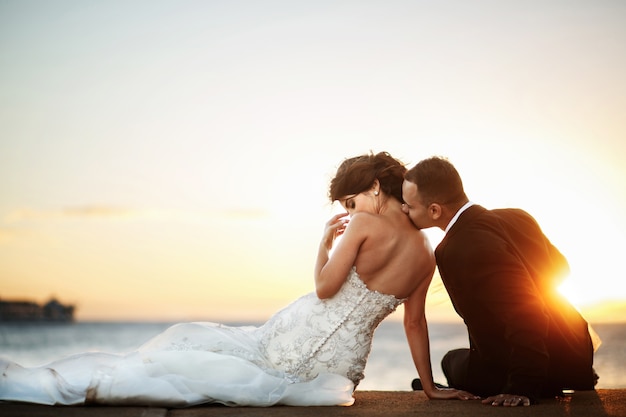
[[389, 367]]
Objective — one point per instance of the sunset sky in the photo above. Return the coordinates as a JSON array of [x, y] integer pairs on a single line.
[[169, 160]]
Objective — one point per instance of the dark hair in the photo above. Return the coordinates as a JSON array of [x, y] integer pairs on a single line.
[[437, 182], [356, 175]]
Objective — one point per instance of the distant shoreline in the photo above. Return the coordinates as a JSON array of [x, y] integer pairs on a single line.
[[25, 311]]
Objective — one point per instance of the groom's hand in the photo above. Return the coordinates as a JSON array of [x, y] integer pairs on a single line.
[[507, 400]]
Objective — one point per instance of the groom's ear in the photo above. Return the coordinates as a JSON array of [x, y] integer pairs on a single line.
[[435, 211]]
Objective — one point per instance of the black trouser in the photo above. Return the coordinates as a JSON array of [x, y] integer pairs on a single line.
[[473, 376], [470, 373]]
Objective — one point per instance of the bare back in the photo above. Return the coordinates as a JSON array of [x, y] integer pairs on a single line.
[[395, 257]]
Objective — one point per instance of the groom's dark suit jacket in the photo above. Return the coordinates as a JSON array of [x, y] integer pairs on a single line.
[[501, 273]]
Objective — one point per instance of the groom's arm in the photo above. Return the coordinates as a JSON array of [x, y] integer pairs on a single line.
[[507, 299]]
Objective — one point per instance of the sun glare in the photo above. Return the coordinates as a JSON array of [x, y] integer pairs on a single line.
[[592, 300], [572, 293]]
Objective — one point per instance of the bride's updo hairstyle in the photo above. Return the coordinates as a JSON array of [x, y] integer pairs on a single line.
[[356, 175]]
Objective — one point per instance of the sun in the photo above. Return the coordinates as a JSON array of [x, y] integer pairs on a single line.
[[573, 293], [590, 297]]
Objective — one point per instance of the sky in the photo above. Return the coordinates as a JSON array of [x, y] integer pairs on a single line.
[[170, 160]]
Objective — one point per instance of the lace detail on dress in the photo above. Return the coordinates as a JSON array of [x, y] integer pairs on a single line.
[[313, 336], [241, 342], [313, 352]]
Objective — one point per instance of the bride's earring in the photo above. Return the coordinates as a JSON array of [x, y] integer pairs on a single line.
[[375, 192]]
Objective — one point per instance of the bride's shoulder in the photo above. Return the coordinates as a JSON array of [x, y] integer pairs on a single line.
[[365, 220], [370, 224], [363, 216]]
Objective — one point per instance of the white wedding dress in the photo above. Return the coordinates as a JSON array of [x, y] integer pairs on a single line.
[[313, 352]]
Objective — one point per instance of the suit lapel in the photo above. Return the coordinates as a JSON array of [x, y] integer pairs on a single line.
[[464, 219], [441, 255]]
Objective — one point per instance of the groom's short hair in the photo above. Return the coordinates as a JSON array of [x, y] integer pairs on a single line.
[[437, 181]]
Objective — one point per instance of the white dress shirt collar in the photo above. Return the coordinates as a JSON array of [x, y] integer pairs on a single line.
[[458, 213]]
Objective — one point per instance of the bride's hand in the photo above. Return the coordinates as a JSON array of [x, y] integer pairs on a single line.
[[334, 228], [452, 394]]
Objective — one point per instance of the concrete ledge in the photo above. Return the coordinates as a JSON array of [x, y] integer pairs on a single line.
[[600, 403]]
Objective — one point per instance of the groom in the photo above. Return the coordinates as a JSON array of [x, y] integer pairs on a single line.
[[501, 272]]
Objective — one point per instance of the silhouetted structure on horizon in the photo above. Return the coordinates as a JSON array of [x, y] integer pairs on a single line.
[[53, 310]]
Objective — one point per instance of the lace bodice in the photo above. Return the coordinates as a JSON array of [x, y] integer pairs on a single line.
[[312, 336]]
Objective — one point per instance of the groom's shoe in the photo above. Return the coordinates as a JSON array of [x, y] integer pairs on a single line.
[[417, 385]]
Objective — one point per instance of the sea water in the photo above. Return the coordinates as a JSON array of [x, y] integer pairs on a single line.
[[389, 368]]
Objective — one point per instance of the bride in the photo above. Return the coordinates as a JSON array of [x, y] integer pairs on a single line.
[[313, 352]]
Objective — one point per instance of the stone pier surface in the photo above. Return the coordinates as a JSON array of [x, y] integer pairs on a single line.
[[600, 403]]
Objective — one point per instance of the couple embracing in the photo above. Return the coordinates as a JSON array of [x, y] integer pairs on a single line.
[[501, 272]]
